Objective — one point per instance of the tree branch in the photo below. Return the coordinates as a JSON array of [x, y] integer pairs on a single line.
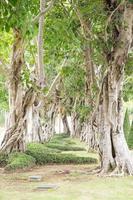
[[56, 79], [44, 12], [82, 22], [109, 18]]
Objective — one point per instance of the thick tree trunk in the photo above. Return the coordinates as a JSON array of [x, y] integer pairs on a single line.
[[19, 101], [88, 130], [49, 121], [65, 124], [33, 125], [15, 136], [15, 88], [38, 112], [40, 68], [113, 149], [76, 126], [89, 77]]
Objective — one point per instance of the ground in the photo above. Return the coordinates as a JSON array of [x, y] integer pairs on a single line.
[[74, 183]]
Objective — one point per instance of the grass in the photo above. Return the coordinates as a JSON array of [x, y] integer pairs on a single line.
[[81, 187]]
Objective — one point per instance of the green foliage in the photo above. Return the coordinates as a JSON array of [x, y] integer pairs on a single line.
[[130, 137], [131, 1], [126, 125], [128, 82], [3, 159], [3, 94], [18, 14], [19, 161], [44, 155]]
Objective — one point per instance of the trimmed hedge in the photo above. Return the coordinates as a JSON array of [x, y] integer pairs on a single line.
[[64, 147], [46, 156], [48, 153], [41, 147], [19, 161]]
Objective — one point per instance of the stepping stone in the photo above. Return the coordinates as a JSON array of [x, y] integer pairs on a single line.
[[35, 178], [47, 187]]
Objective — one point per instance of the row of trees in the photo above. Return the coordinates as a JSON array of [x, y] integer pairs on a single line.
[[69, 58]]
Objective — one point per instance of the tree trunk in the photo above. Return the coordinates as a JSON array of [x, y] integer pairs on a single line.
[[65, 124], [19, 127], [88, 130], [113, 148], [40, 68], [15, 88], [90, 75], [76, 126]]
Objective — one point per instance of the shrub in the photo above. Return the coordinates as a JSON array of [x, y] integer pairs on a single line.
[[130, 137], [3, 159], [44, 155], [19, 161]]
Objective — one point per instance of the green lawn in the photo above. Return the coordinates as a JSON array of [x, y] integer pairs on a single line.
[[74, 181], [78, 185]]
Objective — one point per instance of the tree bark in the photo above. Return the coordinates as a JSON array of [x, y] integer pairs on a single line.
[[37, 107], [19, 101], [65, 124], [89, 77], [15, 88], [40, 68]]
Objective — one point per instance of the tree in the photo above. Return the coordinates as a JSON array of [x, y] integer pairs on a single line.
[[19, 100], [113, 148]]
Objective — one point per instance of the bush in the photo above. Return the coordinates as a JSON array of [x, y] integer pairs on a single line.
[[41, 153], [126, 125], [44, 155], [3, 159], [19, 161], [130, 137]]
